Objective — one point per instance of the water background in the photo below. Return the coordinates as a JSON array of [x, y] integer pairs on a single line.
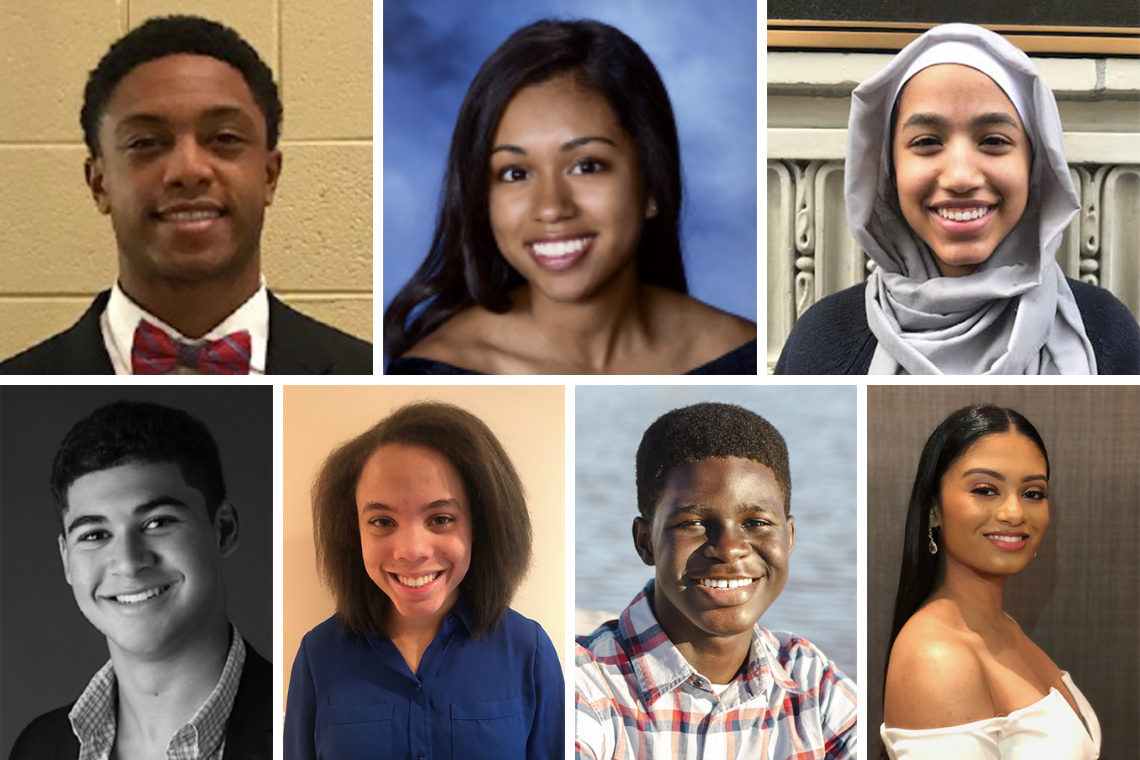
[[819, 425]]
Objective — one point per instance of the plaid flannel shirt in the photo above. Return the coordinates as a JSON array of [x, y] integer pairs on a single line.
[[203, 738], [636, 696]]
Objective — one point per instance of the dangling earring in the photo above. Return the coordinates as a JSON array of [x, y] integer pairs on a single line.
[[930, 533]]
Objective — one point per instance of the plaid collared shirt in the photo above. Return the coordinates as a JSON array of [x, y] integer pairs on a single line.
[[203, 738], [637, 697]]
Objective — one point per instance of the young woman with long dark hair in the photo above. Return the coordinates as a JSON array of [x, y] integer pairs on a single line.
[[557, 248], [963, 680]]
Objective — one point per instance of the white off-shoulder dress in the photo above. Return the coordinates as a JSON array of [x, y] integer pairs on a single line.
[[1045, 729]]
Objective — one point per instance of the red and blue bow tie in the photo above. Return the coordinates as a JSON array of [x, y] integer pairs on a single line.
[[156, 353]]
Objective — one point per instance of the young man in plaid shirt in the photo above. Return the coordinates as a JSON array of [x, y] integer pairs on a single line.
[[687, 671]]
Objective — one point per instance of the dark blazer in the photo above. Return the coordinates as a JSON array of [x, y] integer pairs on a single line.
[[249, 734], [298, 345], [833, 337]]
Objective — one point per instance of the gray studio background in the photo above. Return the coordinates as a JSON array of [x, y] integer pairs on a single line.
[[706, 54], [48, 649], [1078, 599], [819, 425]]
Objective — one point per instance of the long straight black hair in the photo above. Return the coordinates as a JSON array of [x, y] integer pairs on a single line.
[[464, 267], [949, 441]]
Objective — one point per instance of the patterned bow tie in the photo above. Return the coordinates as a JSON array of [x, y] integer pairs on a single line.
[[156, 353]]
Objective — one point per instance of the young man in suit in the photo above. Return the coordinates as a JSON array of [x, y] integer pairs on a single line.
[[181, 120], [144, 527]]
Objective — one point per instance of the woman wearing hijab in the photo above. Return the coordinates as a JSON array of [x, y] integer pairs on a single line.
[[963, 681], [958, 190]]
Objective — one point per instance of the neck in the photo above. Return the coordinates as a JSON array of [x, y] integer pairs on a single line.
[[717, 658], [594, 331], [159, 695], [192, 307], [412, 636], [978, 597]]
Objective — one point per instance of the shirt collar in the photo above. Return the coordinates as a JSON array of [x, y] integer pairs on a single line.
[[122, 316], [659, 667], [93, 717]]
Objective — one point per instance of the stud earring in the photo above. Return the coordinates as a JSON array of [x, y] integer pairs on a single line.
[[930, 533]]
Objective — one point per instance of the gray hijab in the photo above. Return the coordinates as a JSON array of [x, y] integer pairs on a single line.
[[1015, 313]]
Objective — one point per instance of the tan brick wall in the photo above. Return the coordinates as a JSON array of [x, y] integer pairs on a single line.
[[57, 251]]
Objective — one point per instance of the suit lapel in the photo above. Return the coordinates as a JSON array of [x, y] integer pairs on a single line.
[[249, 734], [293, 349], [81, 347]]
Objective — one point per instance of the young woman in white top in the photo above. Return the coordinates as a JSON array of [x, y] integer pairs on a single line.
[[963, 681]]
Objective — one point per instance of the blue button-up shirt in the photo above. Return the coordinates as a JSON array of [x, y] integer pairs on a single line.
[[353, 697]]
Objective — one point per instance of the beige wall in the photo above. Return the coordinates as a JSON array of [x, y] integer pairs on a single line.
[[56, 250], [528, 420]]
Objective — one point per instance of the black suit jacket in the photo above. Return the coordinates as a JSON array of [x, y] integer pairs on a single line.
[[298, 345], [249, 734]]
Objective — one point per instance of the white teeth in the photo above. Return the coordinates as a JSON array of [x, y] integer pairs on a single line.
[[711, 583], [963, 215], [136, 598], [191, 216], [417, 582], [1007, 539], [561, 248]]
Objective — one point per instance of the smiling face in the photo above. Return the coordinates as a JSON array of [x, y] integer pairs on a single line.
[[143, 558], [415, 530], [962, 159], [567, 202], [720, 543], [995, 505], [184, 172]]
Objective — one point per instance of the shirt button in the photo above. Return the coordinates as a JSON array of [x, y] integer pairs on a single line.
[[419, 688]]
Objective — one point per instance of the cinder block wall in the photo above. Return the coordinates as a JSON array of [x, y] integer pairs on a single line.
[[57, 251]]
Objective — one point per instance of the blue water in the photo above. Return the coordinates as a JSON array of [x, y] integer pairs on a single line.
[[819, 425]]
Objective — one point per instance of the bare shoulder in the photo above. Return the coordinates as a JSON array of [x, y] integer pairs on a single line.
[[714, 331], [935, 678], [460, 341]]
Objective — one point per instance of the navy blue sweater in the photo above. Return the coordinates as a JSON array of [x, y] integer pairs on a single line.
[[833, 337]]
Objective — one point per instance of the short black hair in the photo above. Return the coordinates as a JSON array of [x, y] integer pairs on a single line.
[[173, 35], [501, 534], [707, 431], [125, 432]]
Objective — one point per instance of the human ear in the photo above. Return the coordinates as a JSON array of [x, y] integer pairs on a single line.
[[791, 533], [63, 558], [935, 517], [93, 173], [273, 166], [643, 540], [226, 528]]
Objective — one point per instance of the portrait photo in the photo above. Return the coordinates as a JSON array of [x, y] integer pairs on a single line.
[[708, 514], [645, 199], [424, 571], [135, 522], [239, 209], [1001, 580]]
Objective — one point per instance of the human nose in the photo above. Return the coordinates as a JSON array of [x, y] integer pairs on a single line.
[[188, 164], [553, 201], [961, 172], [132, 553], [727, 543], [1010, 511], [412, 545]]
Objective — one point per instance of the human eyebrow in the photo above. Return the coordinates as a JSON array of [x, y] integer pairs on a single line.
[[156, 503], [983, 471], [702, 510], [578, 142], [378, 506], [508, 149], [931, 120], [994, 119]]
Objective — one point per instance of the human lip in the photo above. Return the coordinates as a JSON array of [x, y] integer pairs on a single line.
[[418, 584], [136, 597], [558, 252], [191, 216], [962, 216], [725, 590], [1009, 541]]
